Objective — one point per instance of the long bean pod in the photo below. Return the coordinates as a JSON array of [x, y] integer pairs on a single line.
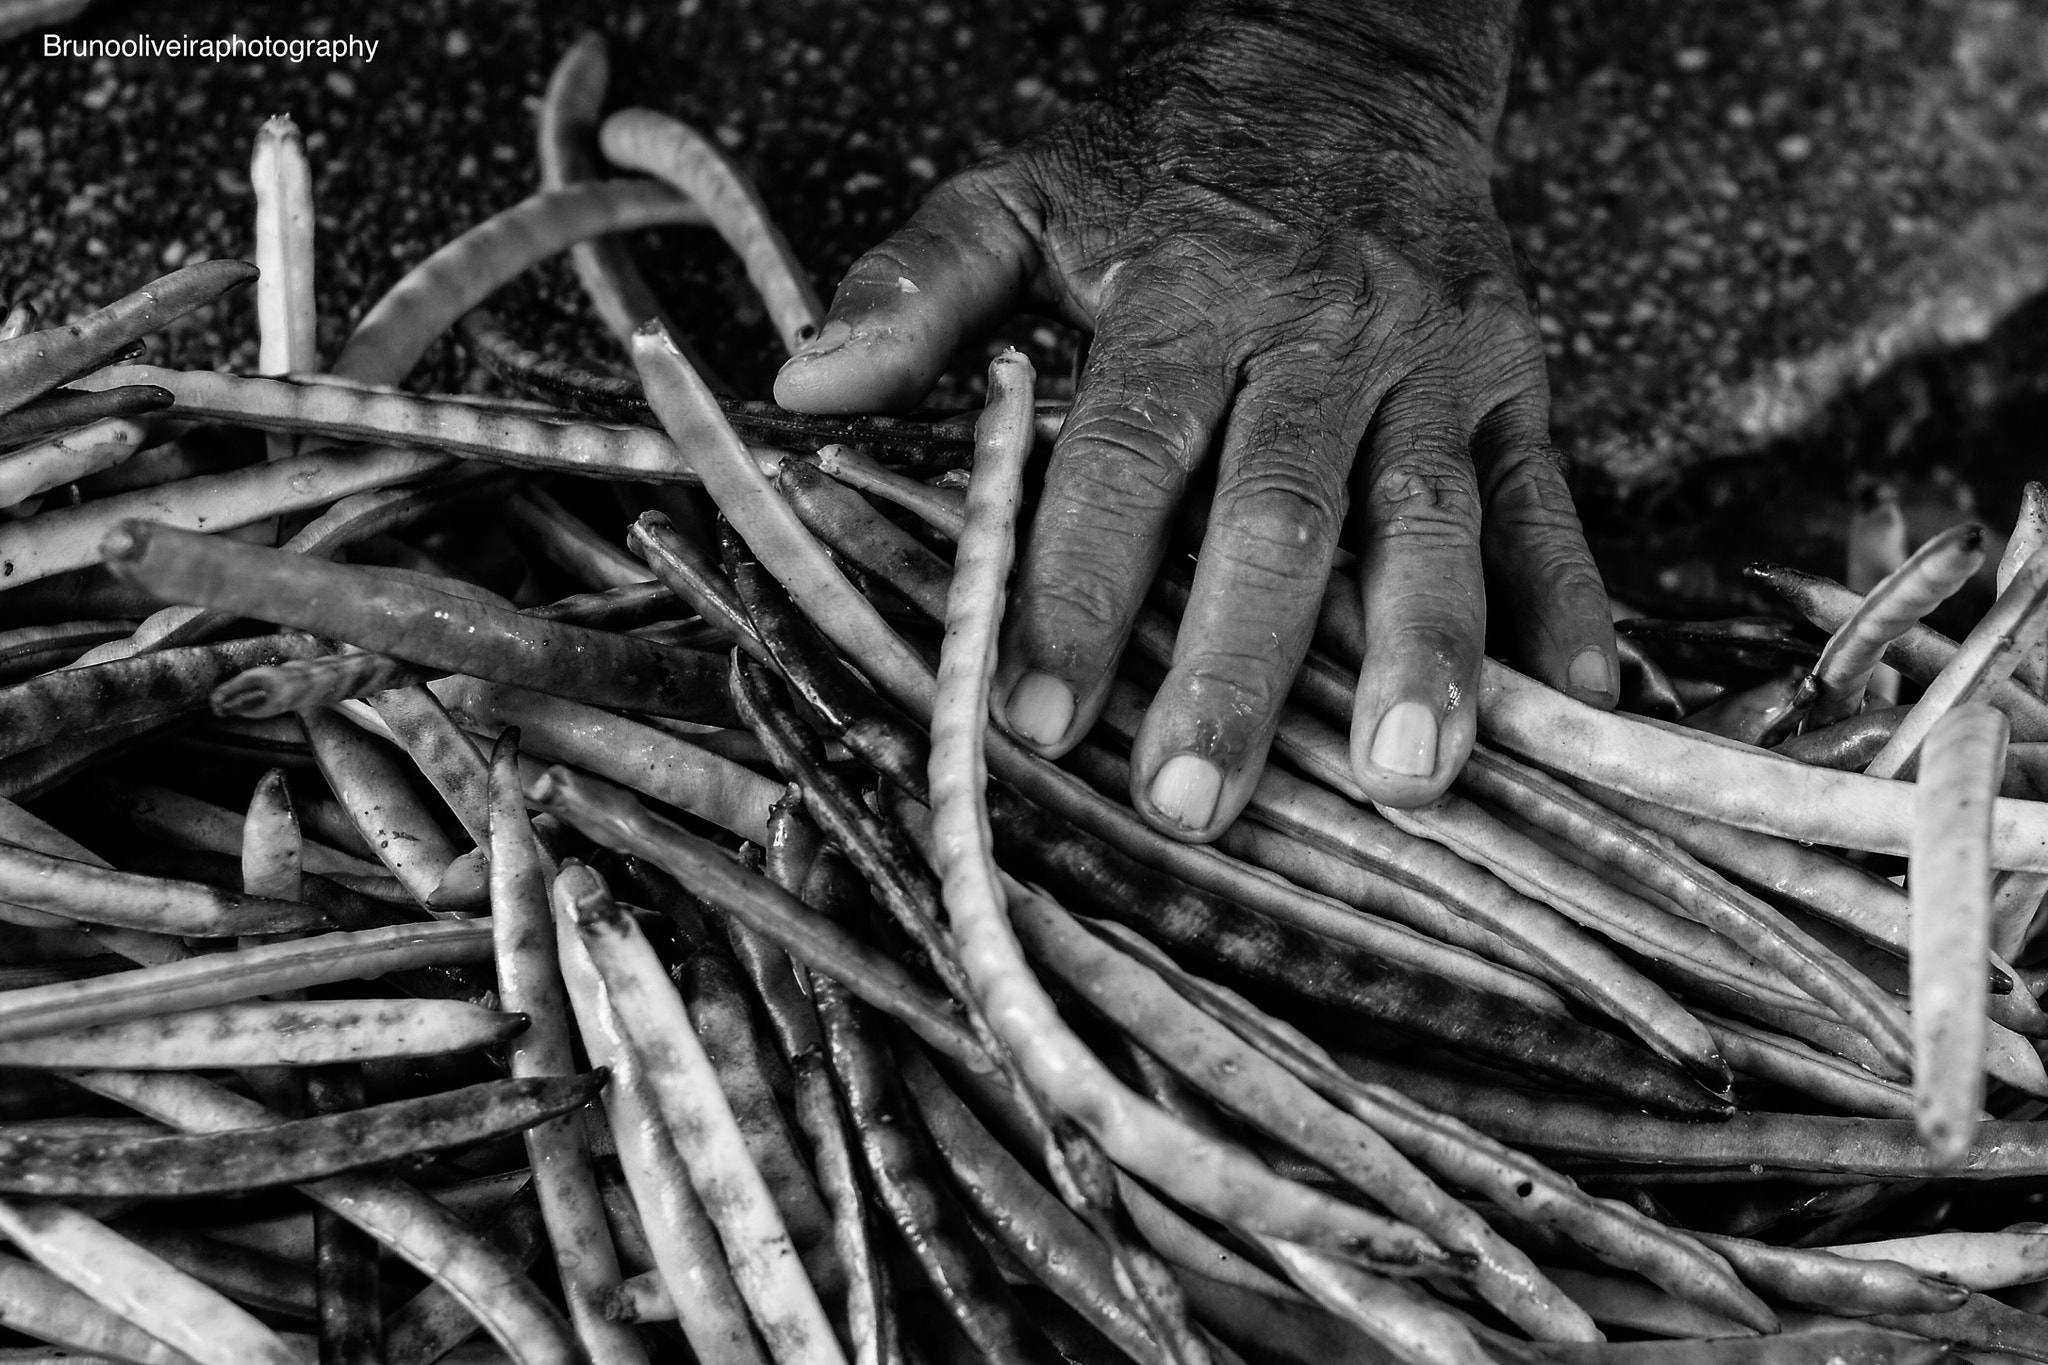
[[286, 316], [1696, 890], [1516, 1182], [1929, 577], [909, 1185], [764, 1263], [78, 453], [164, 1302], [1973, 1260], [2008, 632], [332, 678], [1835, 1284], [529, 980], [720, 1010], [37, 1304], [1872, 1148], [349, 521], [223, 978], [1058, 1247], [1749, 788], [289, 1153], [422, 624], [36, 362], [653, 762], [682, 1243], [316, 405], [152, 687], [105, 896], [489, 1284], [1950, 880], [370, 782], [1220, 1064], [95, 414], [271, 1033], [1919, 654]]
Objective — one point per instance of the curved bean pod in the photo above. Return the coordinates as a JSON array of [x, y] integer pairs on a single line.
[[1091, 850], [642, 140], [397, 330]]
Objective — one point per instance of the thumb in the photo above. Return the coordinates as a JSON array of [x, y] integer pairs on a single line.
[[958, 267]]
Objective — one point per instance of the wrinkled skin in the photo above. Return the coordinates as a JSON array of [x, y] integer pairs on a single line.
[[1281, 234]]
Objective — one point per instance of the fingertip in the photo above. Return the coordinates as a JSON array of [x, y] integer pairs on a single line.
[[859, 366], [1408, 754], [1594, 676]]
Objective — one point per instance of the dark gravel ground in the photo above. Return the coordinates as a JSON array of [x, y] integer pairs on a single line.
[[1782, 247]]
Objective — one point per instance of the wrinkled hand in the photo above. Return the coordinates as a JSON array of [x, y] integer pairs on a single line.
[[1282, 237]]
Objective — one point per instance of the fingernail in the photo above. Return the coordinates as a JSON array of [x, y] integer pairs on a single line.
[[1405, 743], [1040, 709], [1185, 790], [1589, 671], [829, 339]]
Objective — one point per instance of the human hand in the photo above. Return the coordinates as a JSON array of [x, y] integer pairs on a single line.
[[1282, 236]]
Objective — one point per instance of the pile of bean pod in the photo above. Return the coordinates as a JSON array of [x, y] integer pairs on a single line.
[[533, 878]]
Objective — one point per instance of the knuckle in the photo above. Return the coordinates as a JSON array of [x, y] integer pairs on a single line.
[[1071, 608], [1120, 459], [1422, 493], [1289, 505]]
